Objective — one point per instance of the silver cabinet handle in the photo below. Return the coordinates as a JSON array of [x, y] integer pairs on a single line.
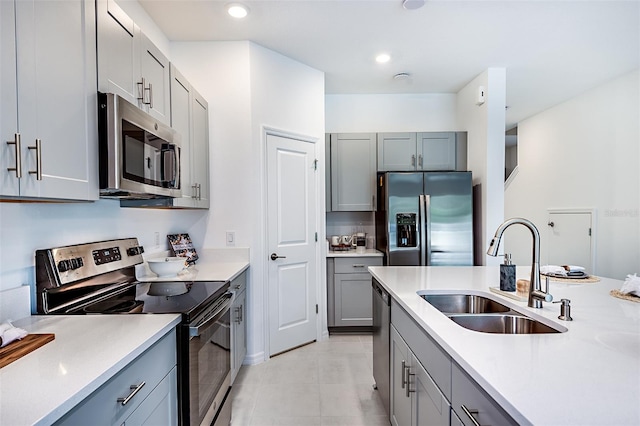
[[470, 414], [413, 159], [38, 170], [18, 149], [141, 90], [150, 96], [420, 160], [199, 192], [238, 318], [358, 265], [274, 256], [134, 390], [241, 313], [194, 191], [408, 375], [403, 365]]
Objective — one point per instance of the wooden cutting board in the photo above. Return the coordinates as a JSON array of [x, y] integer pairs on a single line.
[[16, 350]]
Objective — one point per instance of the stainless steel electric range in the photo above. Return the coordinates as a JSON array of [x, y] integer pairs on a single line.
[[99, 278]]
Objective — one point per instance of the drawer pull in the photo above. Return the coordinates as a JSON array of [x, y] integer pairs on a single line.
[[404, 376], [359, 265], [470, 414], [134, 390]]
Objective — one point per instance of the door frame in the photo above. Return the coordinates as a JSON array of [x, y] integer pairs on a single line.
[[321, 291], [594, 232]]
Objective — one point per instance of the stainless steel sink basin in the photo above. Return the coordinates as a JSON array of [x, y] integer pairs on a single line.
[[464, 304], [479, 313], [502, 324]]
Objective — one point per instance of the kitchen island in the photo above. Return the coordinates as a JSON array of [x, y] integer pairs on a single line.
[[589, 374]]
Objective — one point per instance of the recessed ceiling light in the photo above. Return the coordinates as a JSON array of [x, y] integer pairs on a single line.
[[412, 4], [237, 10], [383, 58]]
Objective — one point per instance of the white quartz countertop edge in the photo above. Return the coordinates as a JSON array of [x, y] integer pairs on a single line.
[[87, 351], [588, 375], [354, 253]]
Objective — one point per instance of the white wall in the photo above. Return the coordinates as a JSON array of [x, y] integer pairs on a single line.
[[422, 112], [25, 227], [249, 87], [583, 153], [485, 126]]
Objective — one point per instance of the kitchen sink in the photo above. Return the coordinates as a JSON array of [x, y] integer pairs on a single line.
[[464, 304], [480, 313], [502, 324]]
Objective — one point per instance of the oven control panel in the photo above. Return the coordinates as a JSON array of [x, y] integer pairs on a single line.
[[73, 263]]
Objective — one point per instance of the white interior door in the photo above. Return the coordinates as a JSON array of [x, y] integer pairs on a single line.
[[291, 215], [570, 239]]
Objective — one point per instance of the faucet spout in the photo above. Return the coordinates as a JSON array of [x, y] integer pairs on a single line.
[[536, 295]]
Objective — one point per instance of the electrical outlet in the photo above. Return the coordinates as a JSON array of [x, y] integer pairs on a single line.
[[231, 238]]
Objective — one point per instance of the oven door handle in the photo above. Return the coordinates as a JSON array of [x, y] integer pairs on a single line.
[[211, 319]]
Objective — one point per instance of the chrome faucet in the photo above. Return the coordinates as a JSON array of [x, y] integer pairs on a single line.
[[536, 295]]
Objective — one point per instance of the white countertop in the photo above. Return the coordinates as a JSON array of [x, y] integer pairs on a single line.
[[212, 265], [354, 253], [587, 375], [87, 351]]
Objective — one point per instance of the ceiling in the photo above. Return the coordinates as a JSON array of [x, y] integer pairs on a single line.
[[552, 50]]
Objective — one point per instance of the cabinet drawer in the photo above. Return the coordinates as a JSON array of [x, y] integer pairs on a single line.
[[239, 284], [102, 407], [466, 392], [434, 359], [355, 265]]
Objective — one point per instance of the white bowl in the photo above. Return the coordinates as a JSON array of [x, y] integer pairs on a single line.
[[166, 266]]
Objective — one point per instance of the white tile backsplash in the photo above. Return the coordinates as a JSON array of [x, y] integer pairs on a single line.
[[348, 223]]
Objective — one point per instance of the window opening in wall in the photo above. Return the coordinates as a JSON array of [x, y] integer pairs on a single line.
[[510, 152]]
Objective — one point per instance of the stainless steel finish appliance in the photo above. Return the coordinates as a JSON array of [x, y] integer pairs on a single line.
[[381, 342], [425, 218], [139, 156], [99, 278]]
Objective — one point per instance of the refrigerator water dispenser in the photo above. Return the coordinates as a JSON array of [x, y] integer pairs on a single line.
[[406, 230]]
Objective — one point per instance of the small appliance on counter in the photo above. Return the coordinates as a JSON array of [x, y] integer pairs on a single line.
[[357, 242]]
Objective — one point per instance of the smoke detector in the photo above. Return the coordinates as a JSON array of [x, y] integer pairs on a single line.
[[412, 4], [401, 76]]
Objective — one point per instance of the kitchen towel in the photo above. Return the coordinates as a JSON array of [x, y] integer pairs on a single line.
[[9, 333]]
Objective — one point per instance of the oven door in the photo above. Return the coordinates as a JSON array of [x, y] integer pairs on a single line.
[[209, 362]]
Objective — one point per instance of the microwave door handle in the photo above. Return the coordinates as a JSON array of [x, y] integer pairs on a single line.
[[196, 331], [176, 167]]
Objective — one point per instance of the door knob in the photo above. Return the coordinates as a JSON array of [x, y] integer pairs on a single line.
[[275, 256], [551, 224]]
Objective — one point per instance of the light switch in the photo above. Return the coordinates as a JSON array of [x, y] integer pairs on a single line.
[[231, 238]]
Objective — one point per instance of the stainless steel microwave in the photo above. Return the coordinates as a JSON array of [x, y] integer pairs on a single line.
[[139, 156]]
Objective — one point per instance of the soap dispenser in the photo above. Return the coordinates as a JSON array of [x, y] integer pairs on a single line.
[[507, 274]]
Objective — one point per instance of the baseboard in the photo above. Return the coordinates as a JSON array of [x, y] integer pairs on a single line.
[[253, 359]]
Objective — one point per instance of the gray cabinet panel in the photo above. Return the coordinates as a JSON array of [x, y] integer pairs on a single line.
[[200, 150], [468, 394], [353, 300], [9, 182], [430, 407], [55, 64], [154, 68], [400, 358], [437, 151], [353, 171], [161, 406], [238, 324], [397, 152], [434, 359], [426, 151], [356, 265]]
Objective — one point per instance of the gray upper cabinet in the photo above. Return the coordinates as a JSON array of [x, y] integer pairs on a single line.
[[189, 117], [426, 151], [353, 171], [49, 104], [129, 64]]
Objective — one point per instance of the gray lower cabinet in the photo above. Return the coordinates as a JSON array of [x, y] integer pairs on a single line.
[[349, 291], [238, 324], [353, 171], [144, 392], [415, 398], [427, 387], [48, 116]]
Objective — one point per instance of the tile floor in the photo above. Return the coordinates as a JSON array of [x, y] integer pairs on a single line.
[[323, 383]]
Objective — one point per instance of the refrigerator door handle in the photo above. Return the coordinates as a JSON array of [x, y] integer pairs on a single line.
[[425, 230]]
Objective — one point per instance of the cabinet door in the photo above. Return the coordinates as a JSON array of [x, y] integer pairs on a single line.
[[400, 414], [397, 152], [118, 52], [429, 407], [200, 149], [353, 172], [437, 151], [238, 313], [181, 123], [160, 407], [57, 100], [154, 68], [9, 154], [353, 300]]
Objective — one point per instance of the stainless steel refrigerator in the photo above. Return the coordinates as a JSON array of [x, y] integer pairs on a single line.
[[425, 218]]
